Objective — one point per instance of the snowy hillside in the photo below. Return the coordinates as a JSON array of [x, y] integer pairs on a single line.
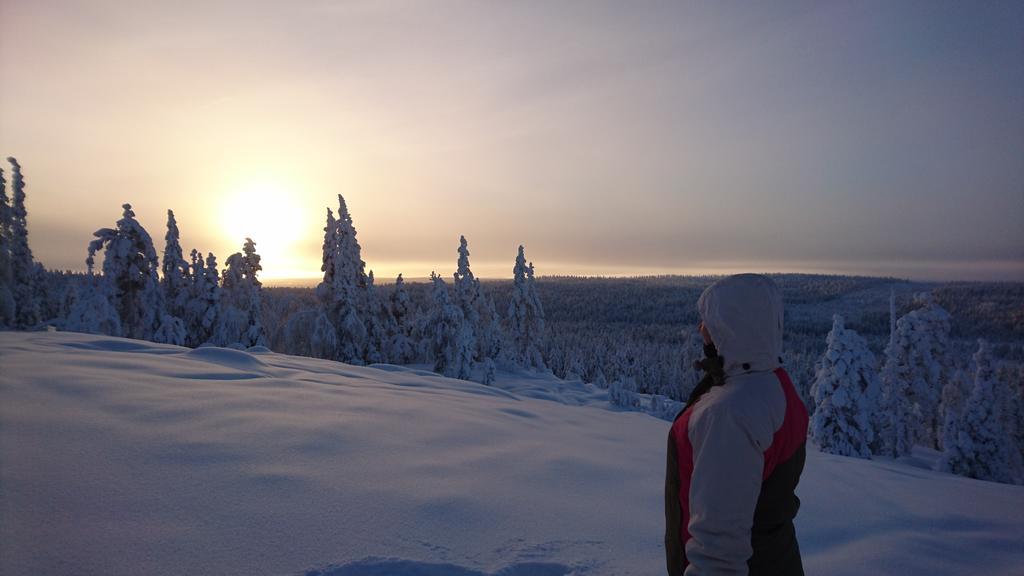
[[126, 457]]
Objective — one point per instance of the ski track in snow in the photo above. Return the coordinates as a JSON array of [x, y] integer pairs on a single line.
[[127, 457]]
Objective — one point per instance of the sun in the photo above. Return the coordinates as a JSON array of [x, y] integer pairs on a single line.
[[270, 214]]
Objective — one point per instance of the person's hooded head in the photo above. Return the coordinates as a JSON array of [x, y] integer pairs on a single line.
[[743, 314]]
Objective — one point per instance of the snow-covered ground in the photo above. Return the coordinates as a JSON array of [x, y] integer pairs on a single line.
[[126, 457]]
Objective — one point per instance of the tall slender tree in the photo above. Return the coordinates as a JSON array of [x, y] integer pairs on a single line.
[[953, 399], [23, 267], [175, 286], [177, 275], [478, 309], [525, 316], [8, 307], [202, 313], [342, 292], [403, 321], [378, 323]]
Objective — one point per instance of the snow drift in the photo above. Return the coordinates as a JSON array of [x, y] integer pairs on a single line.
[[125, 457]]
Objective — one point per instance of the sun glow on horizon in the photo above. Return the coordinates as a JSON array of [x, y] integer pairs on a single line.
[[270, 214]]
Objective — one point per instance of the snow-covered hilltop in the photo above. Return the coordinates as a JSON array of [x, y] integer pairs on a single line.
[[922, 391], [127, 457]]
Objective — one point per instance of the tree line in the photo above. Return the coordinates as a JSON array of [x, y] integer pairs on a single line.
[[169, 299]]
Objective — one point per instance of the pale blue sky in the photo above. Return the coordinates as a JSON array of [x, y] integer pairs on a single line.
[[609, 137]]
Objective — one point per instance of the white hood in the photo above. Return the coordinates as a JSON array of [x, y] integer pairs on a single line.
[[743, 314]]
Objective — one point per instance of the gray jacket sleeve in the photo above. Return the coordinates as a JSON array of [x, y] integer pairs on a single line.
[[728, 461]]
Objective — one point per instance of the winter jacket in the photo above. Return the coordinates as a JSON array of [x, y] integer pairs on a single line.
[[736, 455]]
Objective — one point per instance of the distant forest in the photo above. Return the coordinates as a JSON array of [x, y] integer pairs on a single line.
[[642, 329]]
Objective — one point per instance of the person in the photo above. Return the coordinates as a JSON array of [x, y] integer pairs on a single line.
[[736, 451]]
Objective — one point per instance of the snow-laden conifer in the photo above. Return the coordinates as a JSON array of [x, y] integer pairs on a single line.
[[343, 289], [202, 311], [8, 308], [622, 393], [489, 372], [477, 307], [378, 323], [466, 288], [89, 307], [525, 317], [49, 286], [845, 383], [401, 350], [954, 395], [913, 376], [893, 436], [573, 366], [309, 332], [982, 449], [323, 340], [241, 314], [451, 339], [22, 264], [177, 276], [171, 330], [1008, 389], [130, 263]]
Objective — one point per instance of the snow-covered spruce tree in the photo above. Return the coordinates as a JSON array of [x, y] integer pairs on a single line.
[[622, 393], [536, 318], [1008, 389], [309, 332], [450, 337], [8, 308], [22, 263], [1016, 380], [934, 362], [892, 314], [982, 449], [378, 324], [573, 366], [177, 275], [489, 372], [171, 330], [465, 286], [400, 349], [893, 436], [89, 307], [130, 265], [202, 311], [525, 317], [175, 286], [240, 313], [50, 290], [342, 292], [915, 371], [323, 340], [843, 388], [478, 308], [954, 395]]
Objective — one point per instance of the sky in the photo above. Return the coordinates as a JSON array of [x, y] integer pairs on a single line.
[[609, 138]]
